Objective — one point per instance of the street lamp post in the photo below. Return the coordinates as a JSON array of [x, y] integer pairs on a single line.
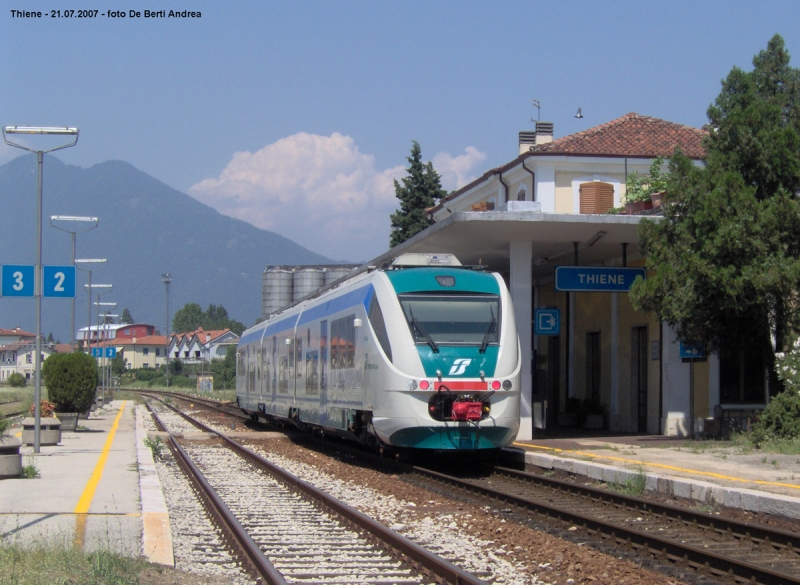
[[37, 288], [166, 279], [76, 219], [93, 264], [100, 289], [106, 315]]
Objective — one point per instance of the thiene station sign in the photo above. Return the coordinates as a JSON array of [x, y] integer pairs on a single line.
[[596, 278]]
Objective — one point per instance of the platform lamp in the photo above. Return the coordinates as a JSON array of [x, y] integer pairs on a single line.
[[90, 265], [81, 224], [106, 315], [166, 279], [37, 288]]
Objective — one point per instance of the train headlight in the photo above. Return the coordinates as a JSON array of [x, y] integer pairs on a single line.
[[507, 385], [487, 408], [411, 384], [424, 385], [495, 384]]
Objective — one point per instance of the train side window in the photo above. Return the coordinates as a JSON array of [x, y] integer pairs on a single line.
[[343, 343], [379, 326], [299, 357]]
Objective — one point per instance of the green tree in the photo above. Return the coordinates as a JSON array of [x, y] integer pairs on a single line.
[[419, 191], [17, 380], [725, 260], [188, 318], [126, 318], [224, 370], [119, 365], [191, 317], [71, 380]]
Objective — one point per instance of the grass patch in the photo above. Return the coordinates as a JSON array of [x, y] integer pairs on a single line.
[[634, 486], [30, 471], [59, 562], [155, 445]]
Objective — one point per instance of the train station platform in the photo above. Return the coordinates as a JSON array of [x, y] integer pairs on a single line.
[[709, 472], [96, 489]]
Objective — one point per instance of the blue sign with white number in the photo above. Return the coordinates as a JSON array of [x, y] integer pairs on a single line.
[[692, 351], [111, 352], [547, 322], [596, 278], [59, 282], [18, 280], [97, 352]]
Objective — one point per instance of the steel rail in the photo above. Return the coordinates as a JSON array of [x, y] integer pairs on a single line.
[[719, 565], [752, 530], [221, 514], [445, 571]]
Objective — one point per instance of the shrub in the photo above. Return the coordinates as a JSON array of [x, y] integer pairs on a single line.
[[781, 418], [17, 380], [71, 380], [145, 375], [4, 425]]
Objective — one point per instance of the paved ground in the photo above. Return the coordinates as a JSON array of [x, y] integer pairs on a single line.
[[88, 489]]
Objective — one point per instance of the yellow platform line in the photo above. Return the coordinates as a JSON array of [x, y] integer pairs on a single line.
[[85, 502], [663, 466]]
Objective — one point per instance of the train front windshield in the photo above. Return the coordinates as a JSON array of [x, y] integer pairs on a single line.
[[452, 319]]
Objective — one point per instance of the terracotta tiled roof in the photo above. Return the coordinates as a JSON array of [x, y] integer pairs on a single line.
[[63, 348], [17, 331], [630, 135], [121, 341], [203, 336]]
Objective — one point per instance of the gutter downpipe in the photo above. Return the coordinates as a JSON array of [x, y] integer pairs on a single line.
[[533, 181], [500, 176]]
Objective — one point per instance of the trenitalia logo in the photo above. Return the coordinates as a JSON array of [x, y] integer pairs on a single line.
[[459, 367]]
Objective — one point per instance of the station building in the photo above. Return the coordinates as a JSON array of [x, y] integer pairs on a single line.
[[547, 208]]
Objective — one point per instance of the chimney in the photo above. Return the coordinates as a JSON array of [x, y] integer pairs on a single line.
[[544, 132], [542, 135], [526, 140]]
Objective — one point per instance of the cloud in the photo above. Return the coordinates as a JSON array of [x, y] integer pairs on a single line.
[[319, 191], [455, 170]]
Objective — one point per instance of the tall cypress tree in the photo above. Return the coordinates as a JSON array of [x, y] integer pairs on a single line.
[[419, 191], [725, 261]]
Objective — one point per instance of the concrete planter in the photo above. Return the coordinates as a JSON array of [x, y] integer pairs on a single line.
[[49, 430], [10, 457], [69, 420]]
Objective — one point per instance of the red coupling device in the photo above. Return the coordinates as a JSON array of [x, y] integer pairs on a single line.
[[467, 410]]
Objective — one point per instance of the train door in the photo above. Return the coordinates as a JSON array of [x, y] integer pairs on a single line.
[[274, 385], [639, 340], [323, 372], [264, 372], [298, 365]]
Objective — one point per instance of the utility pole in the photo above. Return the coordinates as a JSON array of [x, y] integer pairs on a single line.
[[166, 279]]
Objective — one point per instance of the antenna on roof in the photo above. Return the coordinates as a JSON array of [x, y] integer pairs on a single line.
[[538, 107]]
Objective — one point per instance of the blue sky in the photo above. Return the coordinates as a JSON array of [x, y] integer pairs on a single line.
[[321, 100]]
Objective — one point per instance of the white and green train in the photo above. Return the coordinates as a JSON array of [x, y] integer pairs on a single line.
[[407, 357]]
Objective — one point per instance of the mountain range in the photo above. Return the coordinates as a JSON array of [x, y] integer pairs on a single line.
[[146, 229]]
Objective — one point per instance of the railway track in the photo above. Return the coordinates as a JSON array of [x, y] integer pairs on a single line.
[[710, 546], [290, 532]]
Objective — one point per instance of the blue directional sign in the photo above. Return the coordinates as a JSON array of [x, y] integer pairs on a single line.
[[547, 322], [59, 282], [692, 351], [596, 278], [18, 280], [97, 352], [111, 352]]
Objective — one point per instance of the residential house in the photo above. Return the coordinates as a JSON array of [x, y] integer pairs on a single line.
[[140, 352], [200, 345]]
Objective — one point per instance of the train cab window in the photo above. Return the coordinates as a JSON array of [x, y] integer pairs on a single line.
[[457, 319]]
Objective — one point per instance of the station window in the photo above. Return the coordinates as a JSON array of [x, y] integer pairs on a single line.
[[596, 197], [145, 351]]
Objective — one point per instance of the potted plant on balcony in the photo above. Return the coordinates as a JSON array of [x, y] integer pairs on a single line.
[[71, 380]]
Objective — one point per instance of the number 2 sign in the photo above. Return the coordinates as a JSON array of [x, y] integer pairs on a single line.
[[59, 282]]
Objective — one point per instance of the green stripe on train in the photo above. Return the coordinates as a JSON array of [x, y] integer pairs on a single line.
[[424, 280], [450, 438]]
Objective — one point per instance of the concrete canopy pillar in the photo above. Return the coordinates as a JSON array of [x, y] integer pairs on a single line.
[[522, 296]]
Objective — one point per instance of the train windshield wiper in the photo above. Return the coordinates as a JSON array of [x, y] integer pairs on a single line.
[[419, 329], [488, 335]]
